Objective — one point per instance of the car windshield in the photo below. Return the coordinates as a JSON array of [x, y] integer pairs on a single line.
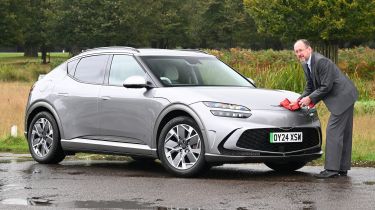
[[193, 71]]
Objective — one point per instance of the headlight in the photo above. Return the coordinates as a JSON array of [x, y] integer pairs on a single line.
[[228, 110]]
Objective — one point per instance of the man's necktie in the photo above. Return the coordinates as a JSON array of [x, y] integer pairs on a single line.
[[310, 76]]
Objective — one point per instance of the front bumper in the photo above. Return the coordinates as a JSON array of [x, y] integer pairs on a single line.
[[215, 158], [234, 137]]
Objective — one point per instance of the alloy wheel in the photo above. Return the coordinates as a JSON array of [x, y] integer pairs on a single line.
[[42, 137], [182, 146]]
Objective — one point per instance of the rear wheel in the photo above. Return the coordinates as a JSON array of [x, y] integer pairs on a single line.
[[181, 147], [285, 166], [44, 139]]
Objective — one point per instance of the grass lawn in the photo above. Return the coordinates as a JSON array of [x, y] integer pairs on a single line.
[[20, 54], [14, 145], [11, 55]]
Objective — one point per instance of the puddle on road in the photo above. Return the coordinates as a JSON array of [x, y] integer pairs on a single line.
[[11, 158], [308, 205], [105, 204], [34, 201], [123, 204], [38, 201], [10, 187], [76, 173], [18, 160]]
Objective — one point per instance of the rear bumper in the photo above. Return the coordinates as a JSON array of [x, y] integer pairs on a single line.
[[215, 158]]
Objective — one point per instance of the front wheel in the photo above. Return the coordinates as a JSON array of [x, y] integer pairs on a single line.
[[181, 147], [44, 139], [285, 166]]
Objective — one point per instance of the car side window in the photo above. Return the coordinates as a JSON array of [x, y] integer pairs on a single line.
[[123, 67], [91, 69], [72, 67]]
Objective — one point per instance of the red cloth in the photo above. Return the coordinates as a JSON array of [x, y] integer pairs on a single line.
[[286, 104]]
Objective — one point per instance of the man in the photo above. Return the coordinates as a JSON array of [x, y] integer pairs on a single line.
[[325, 81]]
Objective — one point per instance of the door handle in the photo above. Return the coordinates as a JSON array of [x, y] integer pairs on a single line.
[[105, 98], [63, 94]]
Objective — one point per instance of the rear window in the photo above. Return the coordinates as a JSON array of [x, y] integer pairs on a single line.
[[91, 69], [72, 67]]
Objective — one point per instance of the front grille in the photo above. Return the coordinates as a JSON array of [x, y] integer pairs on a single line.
[[259, 139]]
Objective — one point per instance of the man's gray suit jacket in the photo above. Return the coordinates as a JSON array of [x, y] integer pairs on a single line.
[[329, 84]]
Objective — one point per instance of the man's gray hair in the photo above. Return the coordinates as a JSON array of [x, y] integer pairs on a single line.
[[304, 41]]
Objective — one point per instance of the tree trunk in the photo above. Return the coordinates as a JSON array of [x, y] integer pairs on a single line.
[[163, 43], [75, 50], [31, 51], [44, 54]]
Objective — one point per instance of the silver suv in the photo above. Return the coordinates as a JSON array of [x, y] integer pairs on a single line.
[[184, 107]]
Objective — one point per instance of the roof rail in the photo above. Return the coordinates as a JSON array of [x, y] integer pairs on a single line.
[[193, 50], [116, 47]]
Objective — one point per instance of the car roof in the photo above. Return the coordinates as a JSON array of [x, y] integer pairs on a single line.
[[145, 51]]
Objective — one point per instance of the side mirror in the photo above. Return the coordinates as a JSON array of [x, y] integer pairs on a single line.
[[136, 82], [251, 80]]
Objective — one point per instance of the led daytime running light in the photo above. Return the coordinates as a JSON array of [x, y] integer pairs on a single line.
[[219, 105], [230, 114]]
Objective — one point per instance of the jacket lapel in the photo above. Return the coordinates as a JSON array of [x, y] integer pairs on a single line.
[[313, 69]]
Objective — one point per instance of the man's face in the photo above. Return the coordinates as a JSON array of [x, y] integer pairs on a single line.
[[302, 51]]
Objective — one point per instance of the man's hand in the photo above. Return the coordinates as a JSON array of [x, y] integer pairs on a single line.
[[305, 101], [292, 103]]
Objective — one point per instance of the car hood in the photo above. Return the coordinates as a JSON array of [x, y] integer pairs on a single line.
[[253, 98]]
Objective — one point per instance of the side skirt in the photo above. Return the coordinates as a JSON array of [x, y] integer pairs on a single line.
[[107, 147]]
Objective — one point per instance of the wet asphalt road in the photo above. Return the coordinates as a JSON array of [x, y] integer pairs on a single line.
[[133, 185]]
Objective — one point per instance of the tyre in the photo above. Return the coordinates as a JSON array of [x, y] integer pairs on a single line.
[[285, 166], [181, 147], [44, 139]]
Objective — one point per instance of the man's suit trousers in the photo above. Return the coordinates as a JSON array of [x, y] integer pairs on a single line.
[[339, 141]]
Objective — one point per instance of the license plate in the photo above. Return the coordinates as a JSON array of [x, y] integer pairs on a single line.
[[285, 137]]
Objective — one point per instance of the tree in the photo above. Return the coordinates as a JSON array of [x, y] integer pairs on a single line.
[[88, 23], [222, 24], [164, 23], [326, 23], [330, 22], [33, 18], [10, 25]]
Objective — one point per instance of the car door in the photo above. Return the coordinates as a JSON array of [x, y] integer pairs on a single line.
[[77, 97], [126, 114]]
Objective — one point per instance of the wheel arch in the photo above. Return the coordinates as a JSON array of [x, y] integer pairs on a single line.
[[172, 111], [38, 107]]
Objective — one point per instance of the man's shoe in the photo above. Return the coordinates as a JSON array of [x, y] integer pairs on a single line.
[[343, 173], [327, 174]]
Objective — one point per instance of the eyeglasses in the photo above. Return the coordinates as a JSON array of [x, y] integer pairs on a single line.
[[300, 50]]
